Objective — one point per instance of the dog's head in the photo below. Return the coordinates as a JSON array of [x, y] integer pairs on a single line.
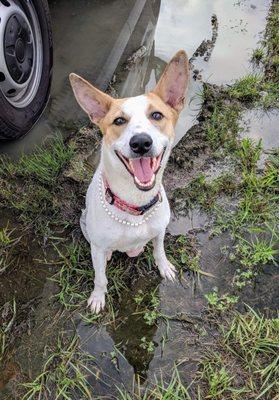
[[138, 131]]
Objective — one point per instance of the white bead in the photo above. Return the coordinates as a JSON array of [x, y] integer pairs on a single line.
[[128, 223], [124, 222], [116, 218], [136, 224], [109, 213], [106, 209]]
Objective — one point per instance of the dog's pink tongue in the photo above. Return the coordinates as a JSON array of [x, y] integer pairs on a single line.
[[142, 169]]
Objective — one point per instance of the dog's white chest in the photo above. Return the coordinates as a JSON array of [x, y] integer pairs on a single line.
[[109, 234]]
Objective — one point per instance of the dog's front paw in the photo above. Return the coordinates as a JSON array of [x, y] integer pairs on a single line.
[[96, 301], [167, 270]]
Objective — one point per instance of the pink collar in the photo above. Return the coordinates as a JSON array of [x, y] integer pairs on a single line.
[[122, 205]]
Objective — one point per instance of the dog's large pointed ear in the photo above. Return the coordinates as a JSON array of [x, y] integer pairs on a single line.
[[173, 83], [92, 100]]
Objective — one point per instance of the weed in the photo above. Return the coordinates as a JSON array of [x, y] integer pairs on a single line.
[[257, 55], [185, 256], [246, 88], [64, 374], [220, 303], [257, 251], [47, 162], [223, 127], [254, 340], [172, 390], [147, 345], [139, 297], [150, 302], [248, 155], [216, 376], [243, 278]]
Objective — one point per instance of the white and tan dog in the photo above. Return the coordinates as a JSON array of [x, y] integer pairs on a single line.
[[126, 205]]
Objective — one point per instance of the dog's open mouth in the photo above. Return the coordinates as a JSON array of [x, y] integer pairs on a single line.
[[143, 169]]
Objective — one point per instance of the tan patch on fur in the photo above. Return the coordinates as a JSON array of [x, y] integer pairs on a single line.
[[167, 124], [110, 131]]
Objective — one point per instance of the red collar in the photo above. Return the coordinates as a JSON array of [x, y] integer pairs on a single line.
[[113, 199]]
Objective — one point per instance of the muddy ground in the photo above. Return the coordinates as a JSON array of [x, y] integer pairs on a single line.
[[214, 333]]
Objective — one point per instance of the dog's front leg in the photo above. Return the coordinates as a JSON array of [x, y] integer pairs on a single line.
[[167, 270], [96, 301]]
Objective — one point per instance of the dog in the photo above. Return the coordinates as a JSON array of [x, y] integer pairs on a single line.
[[126, 204]]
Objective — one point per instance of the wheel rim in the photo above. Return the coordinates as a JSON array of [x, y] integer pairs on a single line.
[[21, 53]]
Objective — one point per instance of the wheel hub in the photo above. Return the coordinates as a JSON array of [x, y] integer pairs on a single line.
[[20, 52], [18, 45]]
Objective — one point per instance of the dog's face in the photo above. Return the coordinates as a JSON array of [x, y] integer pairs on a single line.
[[138, 131]]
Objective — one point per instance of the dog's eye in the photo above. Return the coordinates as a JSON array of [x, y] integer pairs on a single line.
[[157, 115], [119, 121]]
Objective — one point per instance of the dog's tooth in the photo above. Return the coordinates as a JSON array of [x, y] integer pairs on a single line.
[[154, 159], [131, 165]]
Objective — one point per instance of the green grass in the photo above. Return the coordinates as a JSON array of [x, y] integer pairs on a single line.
[[204, 193], [30, 185], [223, 126], [254, 341], [65, 374], [172, 390], [44, 165], [217, 377], [246, 88], [257, 55], [272, 40], [258, 251]]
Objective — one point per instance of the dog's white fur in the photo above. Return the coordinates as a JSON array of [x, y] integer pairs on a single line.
[[104, 234]]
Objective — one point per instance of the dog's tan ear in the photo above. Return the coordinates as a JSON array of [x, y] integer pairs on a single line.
[[92, 100], [173, 83]]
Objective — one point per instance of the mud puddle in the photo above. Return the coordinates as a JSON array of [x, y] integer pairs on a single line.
[[262, 125]]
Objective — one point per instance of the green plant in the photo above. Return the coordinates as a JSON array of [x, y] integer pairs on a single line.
[[254, 340], [257, 54], [65, 373], [216, 377], [220, 303], [47, 162], [246, 88], [243, 278], [257, 251], [149, 346]]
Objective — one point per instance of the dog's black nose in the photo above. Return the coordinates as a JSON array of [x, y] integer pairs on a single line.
[[141, 143]]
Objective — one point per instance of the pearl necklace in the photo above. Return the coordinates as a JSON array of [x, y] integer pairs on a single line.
[[114, 217]]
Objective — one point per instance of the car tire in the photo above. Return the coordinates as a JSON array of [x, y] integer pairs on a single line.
[[18, 113]]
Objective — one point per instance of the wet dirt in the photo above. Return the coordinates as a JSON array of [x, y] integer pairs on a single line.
[[181, 331]]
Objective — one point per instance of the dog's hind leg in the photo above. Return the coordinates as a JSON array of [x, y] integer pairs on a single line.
[[82, 223], [96, 301], [167, 270]]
